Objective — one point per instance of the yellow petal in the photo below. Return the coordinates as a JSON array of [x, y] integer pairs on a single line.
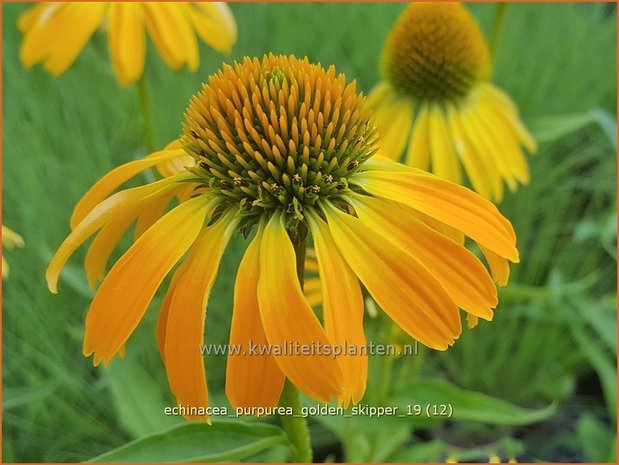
[[475, 169], [381, 93], [127, 41], [405, 290], [70, 41], [171, 34], [5, 268], [130, 285], [114, 179], [215, 24], [449, 203], [151, 212], [104, 212], [162, 322], [33, 15], [10, 239], [342, 309], [507, 137], [394, 124], [444, 161], [187, 314], [488, 158], [175, 165], [103, 245], [251, 380], [485, 131], [499, 267], [288, 319], [511, 112], [460, 272], [43, 32], [418, 152]]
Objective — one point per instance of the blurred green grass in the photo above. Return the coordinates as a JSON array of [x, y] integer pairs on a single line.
[[60, 135]]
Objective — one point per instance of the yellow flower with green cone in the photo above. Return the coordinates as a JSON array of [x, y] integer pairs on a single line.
[[285, 148], [56, 33], [437, 108]]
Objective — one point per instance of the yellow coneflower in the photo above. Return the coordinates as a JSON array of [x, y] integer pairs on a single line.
[[10, 240], [283, 147], [55, 33], [437, 107]]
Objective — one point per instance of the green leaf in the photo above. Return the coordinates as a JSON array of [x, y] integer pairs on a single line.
[[198, 442], [595, 438], [138, 399], [470, 405], [424, 452], [550, 128], [603, 363]]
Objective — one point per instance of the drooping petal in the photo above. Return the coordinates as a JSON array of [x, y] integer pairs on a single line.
[[405, 290], [418, 152], [444, 162], [130, 285], [215, 24], [100, 215], [450, 203], [499, 266], [187, 313], [395, 123], [463, 276], [252, 380], [475, 169], [114, 179], [483, 151], [151, 212], [103, 245], [171, 34], [288, 320], [83, 20], [127, 41], [342, 309], [511, 112]]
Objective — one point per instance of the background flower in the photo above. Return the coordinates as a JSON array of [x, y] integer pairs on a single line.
[[55, 33], [436, 102]]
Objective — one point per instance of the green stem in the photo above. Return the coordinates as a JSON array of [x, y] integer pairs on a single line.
[[148, 117], [499, 20], [296, 426]]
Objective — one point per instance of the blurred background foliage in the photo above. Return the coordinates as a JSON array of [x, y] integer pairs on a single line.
[[538, 383]]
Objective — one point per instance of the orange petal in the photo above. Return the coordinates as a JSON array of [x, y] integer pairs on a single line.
[[251, 380], [499, 267], [114, 179], [106, 211], [187, 313], [449, 203], [460, 272], [405, 290], [104, 243], [130, 285], [342, 309], [288, 319]]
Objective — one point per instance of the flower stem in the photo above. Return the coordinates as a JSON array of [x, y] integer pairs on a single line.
[[296, 426], [146, 111], [499, 20]]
